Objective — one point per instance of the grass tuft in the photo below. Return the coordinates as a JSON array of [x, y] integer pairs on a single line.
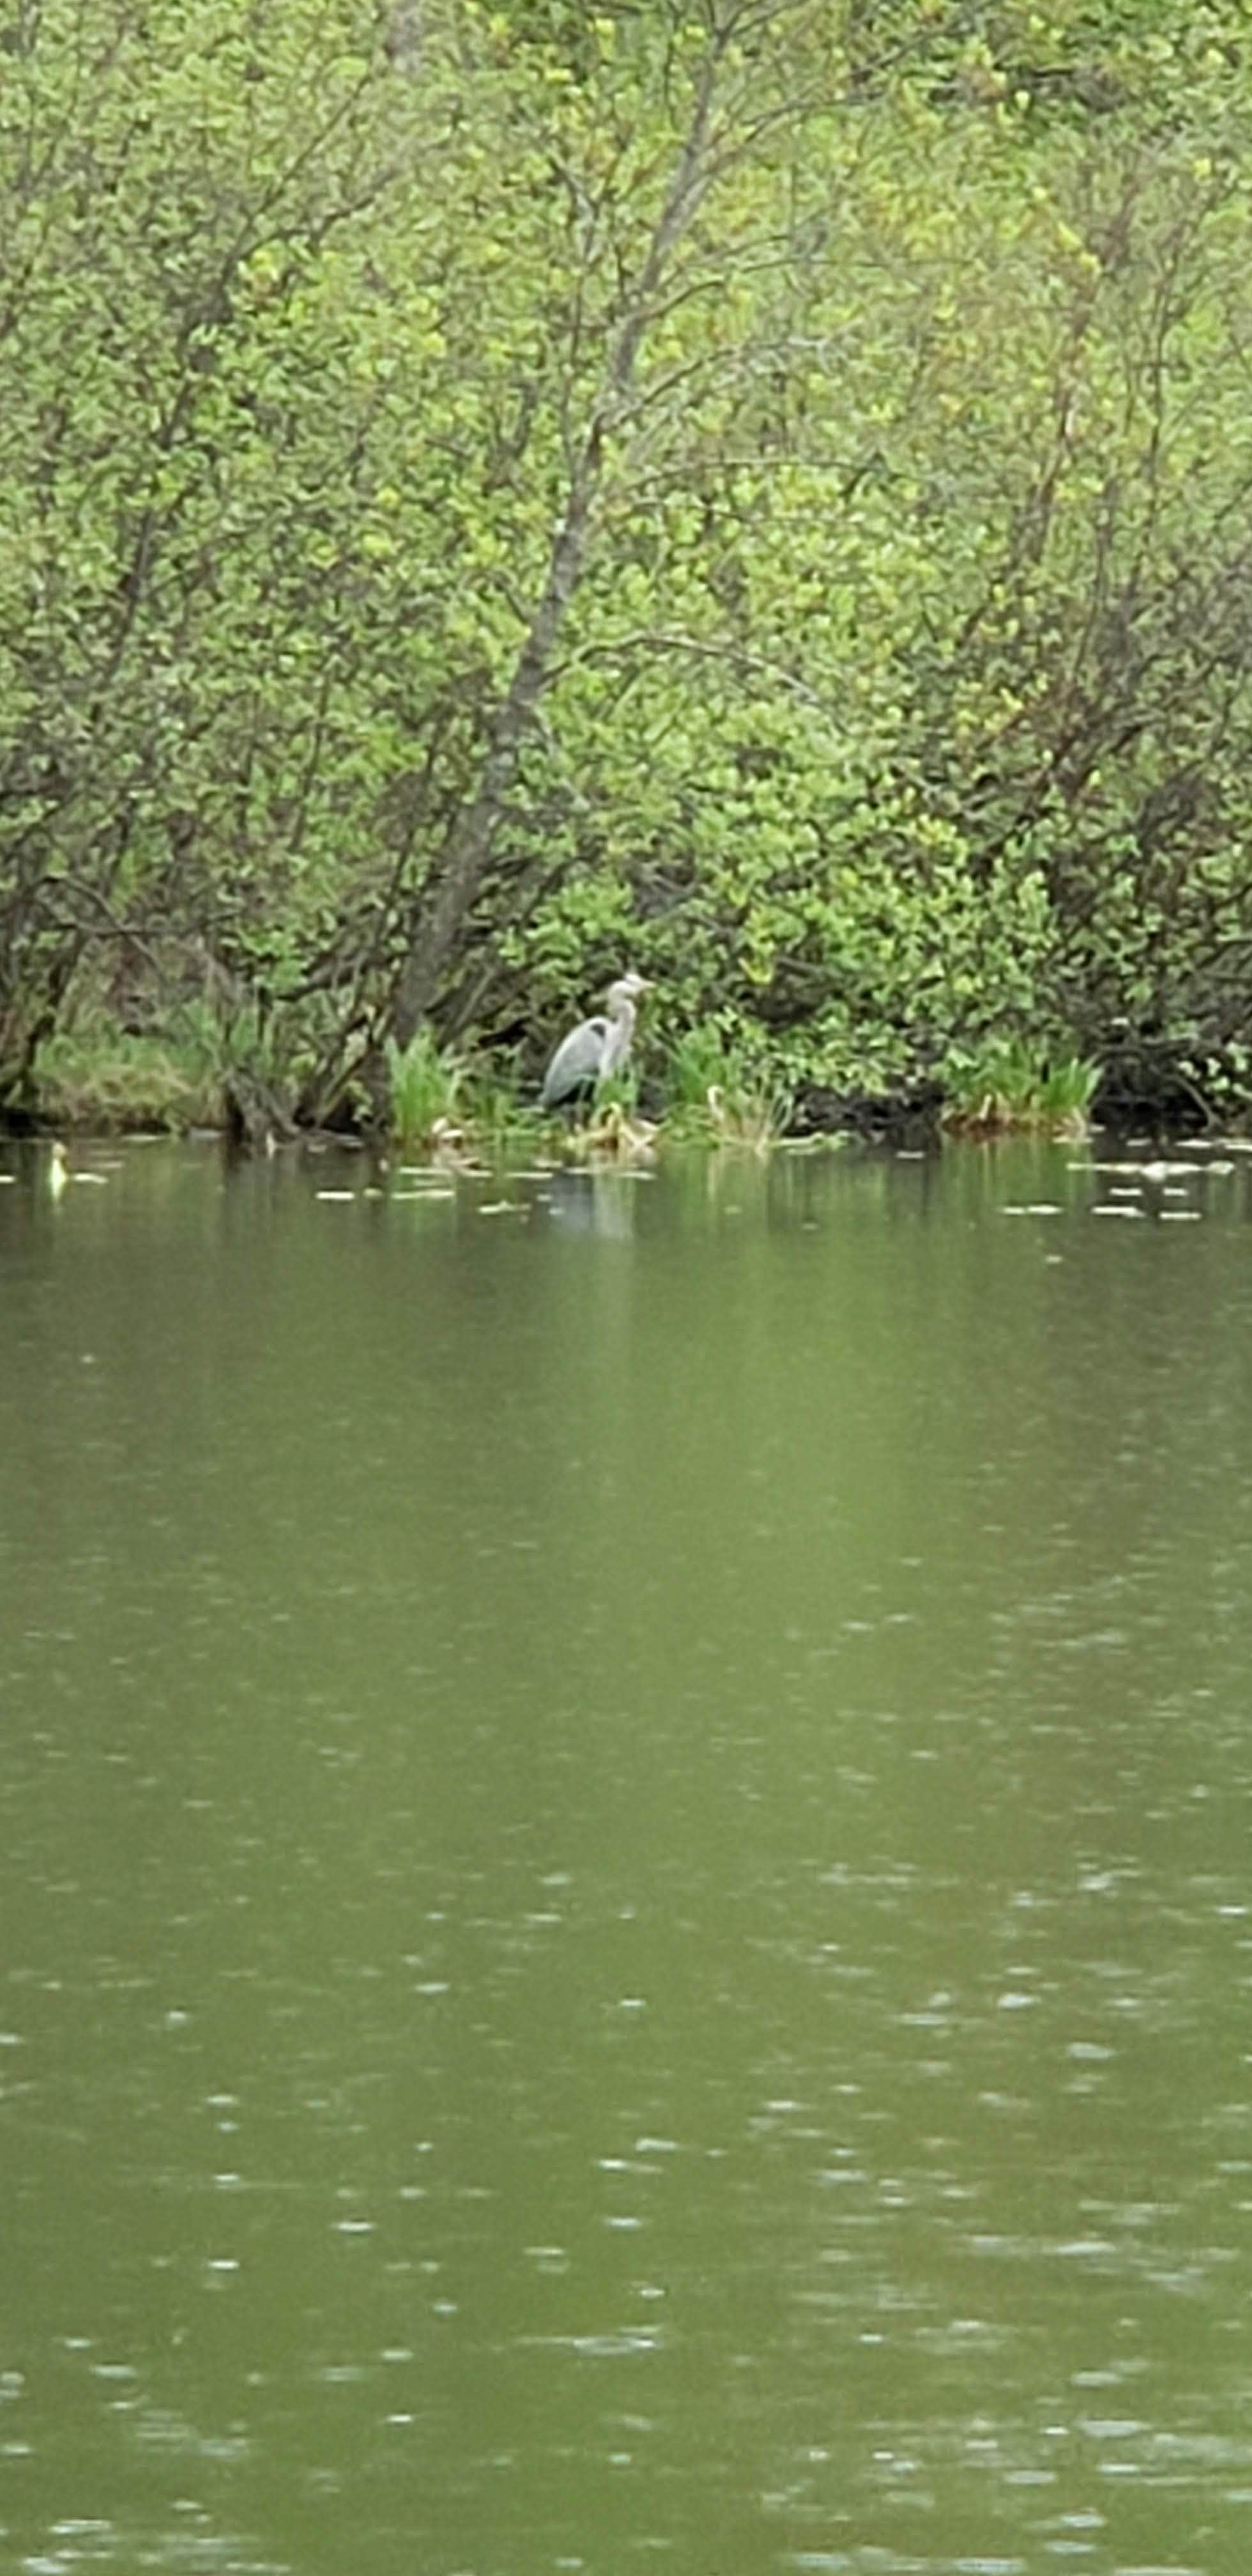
[[714, 1097], [1010, 1086], [494, 1112], [425, 1085], [112, 1080]]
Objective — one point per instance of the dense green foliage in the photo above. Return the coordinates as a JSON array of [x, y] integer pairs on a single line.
[[758, 492]]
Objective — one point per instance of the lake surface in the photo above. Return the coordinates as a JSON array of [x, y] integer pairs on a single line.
[[627, 1866]]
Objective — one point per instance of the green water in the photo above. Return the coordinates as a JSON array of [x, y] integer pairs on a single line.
[[626, 1868]]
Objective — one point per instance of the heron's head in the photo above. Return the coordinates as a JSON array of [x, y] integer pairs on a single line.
[[627, 989]]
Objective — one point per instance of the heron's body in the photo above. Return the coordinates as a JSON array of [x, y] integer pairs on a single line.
[[597, 1048]]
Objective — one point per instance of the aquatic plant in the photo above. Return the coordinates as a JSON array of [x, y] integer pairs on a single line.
[[615, 1130], [494, 1112], [1008, 1084], [425, 1085], [748, 1116], [715, 1097], [698, 1062]]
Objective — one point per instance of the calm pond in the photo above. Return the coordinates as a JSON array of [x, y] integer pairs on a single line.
[[627, 1876]]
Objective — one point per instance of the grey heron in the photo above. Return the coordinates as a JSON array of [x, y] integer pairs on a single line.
[[597, 1047]]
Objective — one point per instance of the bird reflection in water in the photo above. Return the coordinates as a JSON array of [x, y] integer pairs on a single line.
[[592, 1203]]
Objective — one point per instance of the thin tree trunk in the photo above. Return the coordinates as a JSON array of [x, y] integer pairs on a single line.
[[467, 852]]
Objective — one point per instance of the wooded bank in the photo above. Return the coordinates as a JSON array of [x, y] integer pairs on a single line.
[[756, 490]]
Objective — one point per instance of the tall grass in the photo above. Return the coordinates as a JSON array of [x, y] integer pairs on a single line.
[[492, 1109], [425, 1084], [1008, 1085], [109, 1078], [213, 1063], [714, 1097], [251, 1058]]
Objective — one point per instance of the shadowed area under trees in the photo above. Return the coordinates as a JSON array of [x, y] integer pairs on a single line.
[[758, 493]]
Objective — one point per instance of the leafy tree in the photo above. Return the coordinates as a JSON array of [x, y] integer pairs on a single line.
[[755, 485]]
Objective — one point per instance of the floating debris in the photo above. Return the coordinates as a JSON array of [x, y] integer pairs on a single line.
[[101, 1179], [343, 1196], [419, 1198], [503, 1207], [1107, 1210], [1157, 1171], [1180, 1216]]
